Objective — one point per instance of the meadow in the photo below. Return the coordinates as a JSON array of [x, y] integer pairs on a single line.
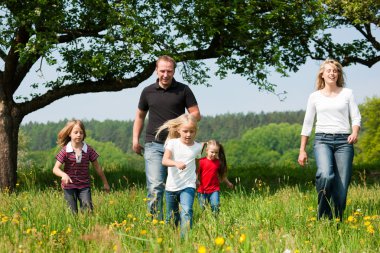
[[270, 210]]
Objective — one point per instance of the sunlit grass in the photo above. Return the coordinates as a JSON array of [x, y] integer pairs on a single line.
[[259, 216]]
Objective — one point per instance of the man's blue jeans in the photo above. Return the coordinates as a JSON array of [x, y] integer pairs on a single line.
[[180, 205], [334, 156], [212, 198], [83, 195], [156, 175]]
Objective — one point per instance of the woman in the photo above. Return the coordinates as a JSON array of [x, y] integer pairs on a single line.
[[334, 106]]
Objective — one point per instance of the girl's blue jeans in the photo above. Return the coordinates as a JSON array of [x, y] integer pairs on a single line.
[[211, 198], [180, 205], [334, 156], [83, 195], [156, 175]]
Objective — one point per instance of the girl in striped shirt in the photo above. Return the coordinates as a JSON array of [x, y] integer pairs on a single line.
[[76, 156]]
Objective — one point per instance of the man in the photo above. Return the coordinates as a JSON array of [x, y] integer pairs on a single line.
[[165, 99]]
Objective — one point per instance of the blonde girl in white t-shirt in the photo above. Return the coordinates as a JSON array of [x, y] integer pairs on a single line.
[[181, 152]]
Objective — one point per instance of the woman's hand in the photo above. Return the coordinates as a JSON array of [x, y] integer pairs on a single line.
[[302, 158], [352, 138]]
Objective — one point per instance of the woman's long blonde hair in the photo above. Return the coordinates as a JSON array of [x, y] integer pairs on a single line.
[[320, 83], [173, 125], [64, 134]]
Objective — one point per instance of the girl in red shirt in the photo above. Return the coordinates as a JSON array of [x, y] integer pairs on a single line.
[[212, 170]]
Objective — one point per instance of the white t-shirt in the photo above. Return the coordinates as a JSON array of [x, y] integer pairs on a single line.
[[333, 113], [180, 179]]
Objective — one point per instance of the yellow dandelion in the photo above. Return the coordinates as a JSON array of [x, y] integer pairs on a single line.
[[219, 241], [228, 249], [146, 199], [4, 219], [351, 219], [154, 221], [312, 219], [162, 222], [68, 230], [159, 240], [15, 220], [25, 209], [111, 202], [296, 251], [143, 232], [202, 249], [310, 208], [366, 217], [28, 231], [54, 232], [367, 223], [115, 248], [242, 238], [370, 229], [127, 229], [130, 216]]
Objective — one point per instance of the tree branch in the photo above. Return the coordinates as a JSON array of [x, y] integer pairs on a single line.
[[366, 62], [85, 87], [14, 72], [3, 55]]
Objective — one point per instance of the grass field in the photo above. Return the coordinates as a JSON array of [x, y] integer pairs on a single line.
[[270, 210]]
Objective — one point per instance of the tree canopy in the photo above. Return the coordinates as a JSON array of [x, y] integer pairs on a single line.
[[362, 16]]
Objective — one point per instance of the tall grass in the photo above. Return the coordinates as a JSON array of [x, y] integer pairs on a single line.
[[270, 210]]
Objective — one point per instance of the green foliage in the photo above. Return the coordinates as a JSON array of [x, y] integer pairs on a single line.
[[368, 146], [273, 144], [222, 127], [364, 16]]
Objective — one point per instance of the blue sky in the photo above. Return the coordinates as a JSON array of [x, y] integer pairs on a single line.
[[231, 95]]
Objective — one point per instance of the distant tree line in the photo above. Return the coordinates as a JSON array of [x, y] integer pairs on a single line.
[[252, 139], [224, 127]]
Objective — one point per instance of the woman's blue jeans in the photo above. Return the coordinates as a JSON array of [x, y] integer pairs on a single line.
[[180, 205], [156, 175], [334, 156], [211, 198]]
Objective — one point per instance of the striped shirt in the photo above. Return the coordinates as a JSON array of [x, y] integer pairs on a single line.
[[77, 168]]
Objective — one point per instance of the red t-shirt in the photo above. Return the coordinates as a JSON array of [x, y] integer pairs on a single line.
[[77, 170], [208, 175]]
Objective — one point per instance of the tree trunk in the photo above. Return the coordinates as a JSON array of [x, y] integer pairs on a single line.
[[9, 128]]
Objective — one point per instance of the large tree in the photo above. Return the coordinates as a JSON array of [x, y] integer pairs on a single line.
[[357, 15], [99, 45]]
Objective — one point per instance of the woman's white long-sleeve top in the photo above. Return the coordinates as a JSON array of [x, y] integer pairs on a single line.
[[333, 113]]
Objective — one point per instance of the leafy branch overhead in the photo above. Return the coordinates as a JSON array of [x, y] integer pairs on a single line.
[[362, 16], [111, 45]]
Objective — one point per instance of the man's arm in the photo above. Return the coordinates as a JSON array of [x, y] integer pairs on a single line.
[[194, 110], [138, 126]]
